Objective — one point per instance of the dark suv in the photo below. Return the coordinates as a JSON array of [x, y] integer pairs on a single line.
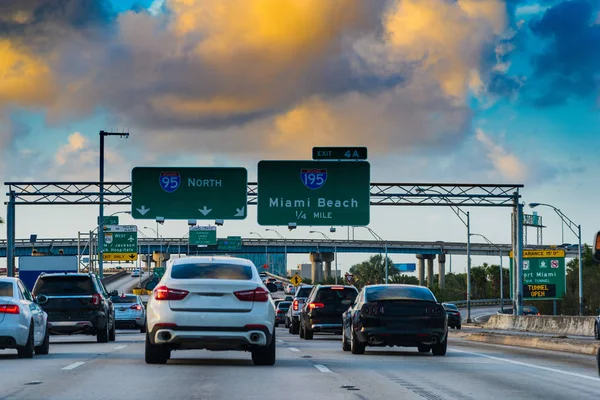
[[76, 304], [323, 309]]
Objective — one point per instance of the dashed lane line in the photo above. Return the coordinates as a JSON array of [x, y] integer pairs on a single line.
[[74, 365]]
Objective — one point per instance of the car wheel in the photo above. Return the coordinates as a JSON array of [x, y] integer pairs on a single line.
[[356, 347], [112, 334], [27, 350], [265, 355], [301, 331], [424, 349], [276, 325], [155, 353], [308, 333], [345, 344], [440, 348], [44, 348], [143, 328], [102, 335], [295, 327], [458, 326]]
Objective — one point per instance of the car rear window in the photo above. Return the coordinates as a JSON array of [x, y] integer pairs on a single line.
[[284, 305], [64, 285], [379, 293], [6, 289], [126, 299], [450, 307], [304, 291], [211, 271], [337, 296]]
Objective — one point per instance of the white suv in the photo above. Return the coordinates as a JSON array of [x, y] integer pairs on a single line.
[[212, 303]]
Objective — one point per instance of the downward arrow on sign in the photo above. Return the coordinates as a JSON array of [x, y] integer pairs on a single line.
[[205, 210], [143, 210]]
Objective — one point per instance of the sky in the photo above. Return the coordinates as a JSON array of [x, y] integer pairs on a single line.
[[444, 91]]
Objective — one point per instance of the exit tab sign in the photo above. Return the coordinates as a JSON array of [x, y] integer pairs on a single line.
[[339, 153]]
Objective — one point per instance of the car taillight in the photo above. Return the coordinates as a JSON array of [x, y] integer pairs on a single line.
[[9, 309], [315, 306], [337, 288], [295, 305], [258, 295], [280, 312], [136, 307], [165, 293], [96, 299]]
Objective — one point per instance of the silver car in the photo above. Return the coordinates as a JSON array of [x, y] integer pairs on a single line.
[[130, 312], [23, 323]]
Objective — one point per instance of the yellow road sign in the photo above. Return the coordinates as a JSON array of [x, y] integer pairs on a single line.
[[296, 280], [120, 256], [549, 253]]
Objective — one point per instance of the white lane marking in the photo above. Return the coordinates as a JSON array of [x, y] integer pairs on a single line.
[[74, 365], [120, 347], [294, 350], [558, 371], [280, 341], [322, 368]]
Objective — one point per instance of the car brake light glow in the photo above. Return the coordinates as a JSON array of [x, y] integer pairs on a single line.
[[315, 306], [165, 293], [9, 309], [257, 295], [96, 299], [136, 307], [295, 305], [337, 288], [280, 312]]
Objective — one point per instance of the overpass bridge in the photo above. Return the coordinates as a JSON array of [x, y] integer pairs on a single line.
[[70, 246]]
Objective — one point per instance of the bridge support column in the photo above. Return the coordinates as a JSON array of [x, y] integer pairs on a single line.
[[317, 267], [421, 269], [327, 258], [430, 276], [442, 269]]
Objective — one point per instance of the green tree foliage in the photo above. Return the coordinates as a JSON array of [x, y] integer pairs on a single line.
[[372, 271]]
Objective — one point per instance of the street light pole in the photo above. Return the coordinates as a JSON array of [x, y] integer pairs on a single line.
[[571, 225], [101, 200], [284, 246]]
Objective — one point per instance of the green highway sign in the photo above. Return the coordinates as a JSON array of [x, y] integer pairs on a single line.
[[159, 272], [186, 193], [112, 220], [230, 244], [339, 153], [313, 193], [120, 243], [203, 235], [544, 274]]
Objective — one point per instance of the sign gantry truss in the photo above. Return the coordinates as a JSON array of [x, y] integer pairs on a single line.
[[382, 194]]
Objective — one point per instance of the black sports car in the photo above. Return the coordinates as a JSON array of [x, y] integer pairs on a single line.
[[395, 315], [454, 317]]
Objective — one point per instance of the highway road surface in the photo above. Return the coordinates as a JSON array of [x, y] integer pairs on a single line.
[[125, 284], [79, 368]]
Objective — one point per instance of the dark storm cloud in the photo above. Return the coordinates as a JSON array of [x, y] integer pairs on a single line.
[[569, 64]]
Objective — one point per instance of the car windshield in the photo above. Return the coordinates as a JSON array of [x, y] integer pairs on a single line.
[[378, 293], [6, 289], [304, 291], [124, 299], [450, 307], [64, 285], [344, 295], [211, 271], [530, 309]]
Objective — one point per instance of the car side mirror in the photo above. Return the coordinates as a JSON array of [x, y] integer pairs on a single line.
[[114, 293]]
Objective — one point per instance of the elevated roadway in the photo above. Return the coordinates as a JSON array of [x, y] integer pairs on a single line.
[[69, 246]]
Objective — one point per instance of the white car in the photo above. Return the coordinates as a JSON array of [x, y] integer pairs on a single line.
[[23, 323], [212, 303], [135, 273]]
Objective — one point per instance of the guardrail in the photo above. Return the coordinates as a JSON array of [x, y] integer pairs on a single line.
[[480, 302], [279, 278]]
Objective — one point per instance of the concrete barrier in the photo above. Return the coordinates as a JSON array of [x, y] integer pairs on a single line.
[[559, 325], [564, 345], [114, 277]]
